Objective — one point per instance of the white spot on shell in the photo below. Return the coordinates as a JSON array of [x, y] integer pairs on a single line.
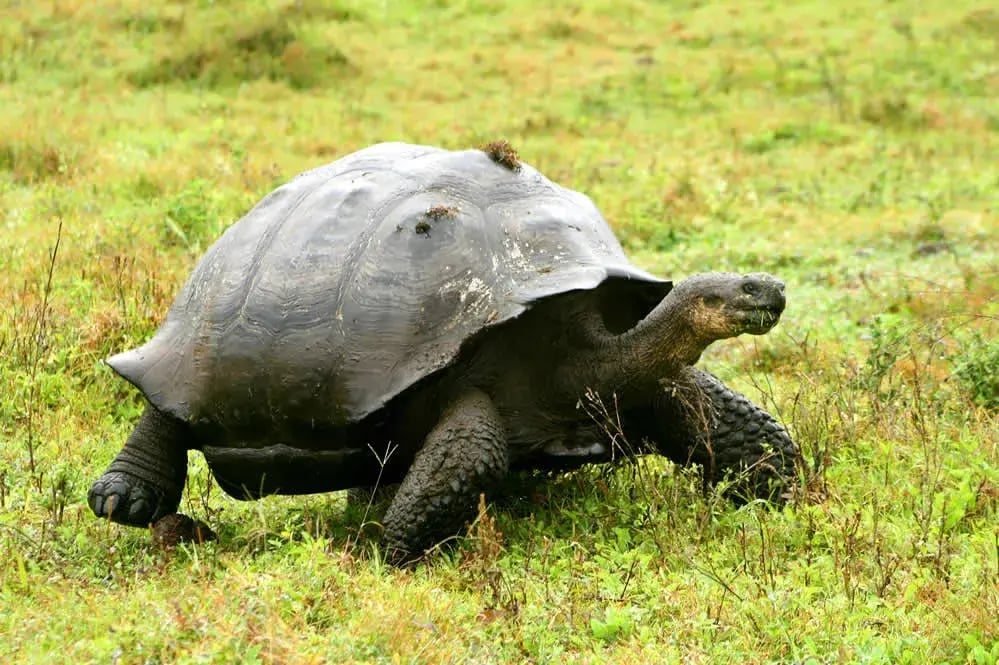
[[473, 294], [473, 287]]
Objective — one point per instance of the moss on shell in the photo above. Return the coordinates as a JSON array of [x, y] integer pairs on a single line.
[[442, 212], [503, 153]]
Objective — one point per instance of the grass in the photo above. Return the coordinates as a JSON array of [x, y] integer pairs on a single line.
[[850, 148]]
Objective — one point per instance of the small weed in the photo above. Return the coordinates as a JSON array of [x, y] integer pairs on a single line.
[[145, 188], [894, 111], [977, 368], [339, 11], [889, 342], [39, 344], [191, 216], [29, 163], [480, 560], [792, 134], [63, 487], [151, 21], [984, 22], [616, 623]]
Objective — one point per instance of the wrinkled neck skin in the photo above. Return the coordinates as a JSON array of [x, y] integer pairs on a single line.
[[631, 365]]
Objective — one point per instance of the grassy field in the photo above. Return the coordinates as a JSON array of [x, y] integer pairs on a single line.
[[852, 148]]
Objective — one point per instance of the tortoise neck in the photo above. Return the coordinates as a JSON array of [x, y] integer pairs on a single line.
[[631, 364], [665, 340]]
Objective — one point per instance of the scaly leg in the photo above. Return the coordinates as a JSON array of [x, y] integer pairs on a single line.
[[700, 420]]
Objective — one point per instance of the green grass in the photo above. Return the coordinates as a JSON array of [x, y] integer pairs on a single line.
[[851, 148]]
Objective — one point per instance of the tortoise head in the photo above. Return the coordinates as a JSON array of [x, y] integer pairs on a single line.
[[698, 311], [720, 305]]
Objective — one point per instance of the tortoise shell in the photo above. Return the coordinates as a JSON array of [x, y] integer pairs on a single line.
[[354, 281]]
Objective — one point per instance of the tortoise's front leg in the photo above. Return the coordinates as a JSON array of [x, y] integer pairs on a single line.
[[698, 419], [145, 480], [464, 455]]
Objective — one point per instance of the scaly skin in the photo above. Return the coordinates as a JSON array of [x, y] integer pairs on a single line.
[[145, 480], [464, 455], [700, 420]]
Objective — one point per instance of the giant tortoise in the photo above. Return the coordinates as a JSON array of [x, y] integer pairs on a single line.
[[436, 319]]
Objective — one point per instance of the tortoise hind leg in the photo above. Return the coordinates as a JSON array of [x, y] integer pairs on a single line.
[[465, 454], [145, 480], [703, 421]]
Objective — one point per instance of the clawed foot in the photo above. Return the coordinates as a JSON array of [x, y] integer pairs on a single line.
[[126, 499]]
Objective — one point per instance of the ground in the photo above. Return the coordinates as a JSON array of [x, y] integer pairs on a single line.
[[850, 148]]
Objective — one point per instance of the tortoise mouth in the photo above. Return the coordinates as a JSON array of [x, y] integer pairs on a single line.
[[759, 320]]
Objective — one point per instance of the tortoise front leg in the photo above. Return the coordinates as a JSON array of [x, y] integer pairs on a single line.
[[698, 419], [145, 480], [465, 454]]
